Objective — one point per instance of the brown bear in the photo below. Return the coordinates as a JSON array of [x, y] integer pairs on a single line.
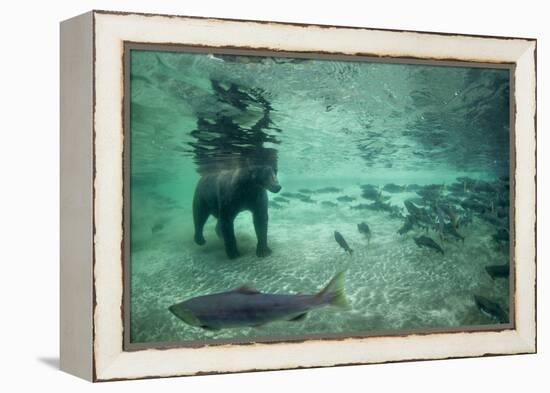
[[226, 193]]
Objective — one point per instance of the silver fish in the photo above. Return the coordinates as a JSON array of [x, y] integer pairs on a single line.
[[247, 306], [425, 241], [365, 230], [498, 271], [342, 242], [491, 309]]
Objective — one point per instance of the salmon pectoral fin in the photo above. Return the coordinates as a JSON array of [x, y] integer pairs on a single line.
[[210, 328], [299, 317]]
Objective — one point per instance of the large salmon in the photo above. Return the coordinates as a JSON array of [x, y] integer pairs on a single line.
[[247, 306]]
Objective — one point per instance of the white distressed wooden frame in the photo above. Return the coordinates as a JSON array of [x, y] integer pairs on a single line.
[[92, 194]]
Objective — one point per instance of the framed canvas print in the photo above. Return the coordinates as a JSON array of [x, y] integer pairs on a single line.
[[245, 195]]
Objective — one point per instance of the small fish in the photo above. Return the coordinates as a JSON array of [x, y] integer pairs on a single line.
[[396, 212], [440, 222], [412, 187], [307, 199], [329, 204], [425, 241], [345, 198], [449, 211], [502, 212], [466, 181], [456, 187], [380, 206], [365, 230], [247, 306], [393, 188], [159, 226], [291, 195], [474, 205], [430, 194], [491, 309], [502, 235], [327, 190], [275, 205], [417, 201], [420, 215], [279, 199], [342, 242], [483, 186], [407, 225], [305, 191], [412, 208], [450, 229], [434, 187], [361, 206], [498, 271], [370, 192], [368, 187], [453, 199]]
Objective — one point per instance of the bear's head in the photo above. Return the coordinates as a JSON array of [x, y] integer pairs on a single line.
[[266, 177]]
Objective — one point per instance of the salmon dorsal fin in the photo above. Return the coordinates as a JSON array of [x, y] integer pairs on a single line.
[[245, 289]]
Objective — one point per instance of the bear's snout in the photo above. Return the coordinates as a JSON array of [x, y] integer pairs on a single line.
[[272, 181], [275, 188]]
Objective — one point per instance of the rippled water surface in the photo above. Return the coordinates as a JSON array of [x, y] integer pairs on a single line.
[[438, 134]]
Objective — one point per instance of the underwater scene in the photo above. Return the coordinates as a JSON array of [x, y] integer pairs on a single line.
[[284, 197]]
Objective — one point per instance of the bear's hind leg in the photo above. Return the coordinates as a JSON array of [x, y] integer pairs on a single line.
[[218, 230], [228, 234]]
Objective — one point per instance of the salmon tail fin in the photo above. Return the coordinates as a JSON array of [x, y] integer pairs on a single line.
[[333, 293]]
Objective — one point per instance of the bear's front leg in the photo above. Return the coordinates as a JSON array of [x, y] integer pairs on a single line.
[[260, 226], [228, 234]]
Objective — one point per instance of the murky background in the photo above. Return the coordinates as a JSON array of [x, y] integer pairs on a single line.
[[352, 141]]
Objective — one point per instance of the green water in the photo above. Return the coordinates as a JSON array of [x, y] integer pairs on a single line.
[[321, 123]]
